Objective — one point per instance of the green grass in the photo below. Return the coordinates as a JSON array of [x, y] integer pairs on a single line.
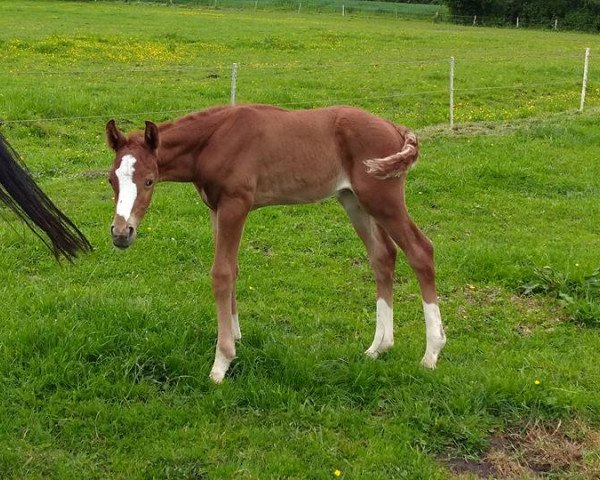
[[104, 364], [352, 7]]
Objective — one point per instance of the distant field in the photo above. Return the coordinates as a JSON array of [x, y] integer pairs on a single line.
[[104, 364], [395, 68], [350, 6]]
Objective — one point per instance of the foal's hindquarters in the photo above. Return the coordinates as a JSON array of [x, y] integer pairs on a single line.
[[378, 213]]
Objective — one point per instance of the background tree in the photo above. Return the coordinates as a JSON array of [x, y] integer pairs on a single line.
[[580, 14]]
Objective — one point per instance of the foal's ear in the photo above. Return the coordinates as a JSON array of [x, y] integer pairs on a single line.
[[151, 135], [114, 137]]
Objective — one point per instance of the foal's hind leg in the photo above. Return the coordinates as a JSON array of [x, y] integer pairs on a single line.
[[386, 204], [382, 256], [235, 319], [419, 253]]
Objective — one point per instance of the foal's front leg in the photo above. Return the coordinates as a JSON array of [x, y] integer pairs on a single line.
[[235, 319], [230, 219]]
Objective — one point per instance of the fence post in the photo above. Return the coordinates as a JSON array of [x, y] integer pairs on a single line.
[[475, 20], [556, 24], [299, 6], [255, 4], [233, 82], [451, 92], [517, 22], [586, 65], [343, 10]]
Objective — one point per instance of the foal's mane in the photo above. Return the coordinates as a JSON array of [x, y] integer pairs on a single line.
[[201, 123], [192, 117], [137, 136]]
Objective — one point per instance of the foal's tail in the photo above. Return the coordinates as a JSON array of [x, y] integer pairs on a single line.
[[397, 164], [22, 195]]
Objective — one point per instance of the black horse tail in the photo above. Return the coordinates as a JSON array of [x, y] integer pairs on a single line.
[[23, 196]]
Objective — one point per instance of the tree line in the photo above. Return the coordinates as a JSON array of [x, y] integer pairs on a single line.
[[572, 14], [577, 14]]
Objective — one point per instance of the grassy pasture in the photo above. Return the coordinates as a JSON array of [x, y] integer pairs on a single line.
[[104, 364], [354, 7]]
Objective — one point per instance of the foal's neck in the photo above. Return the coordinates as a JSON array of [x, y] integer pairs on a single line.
[[175, 162], [182, 142]]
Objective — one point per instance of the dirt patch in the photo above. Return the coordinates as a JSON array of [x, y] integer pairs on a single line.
[[532, 313], [471, 468], [499, 128], [537, 451], [469, 130], [91, 174]]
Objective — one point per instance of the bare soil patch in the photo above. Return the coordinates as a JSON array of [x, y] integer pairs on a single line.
[[537, 451]]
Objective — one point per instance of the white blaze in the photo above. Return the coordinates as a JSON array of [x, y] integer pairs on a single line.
[[127, 189]]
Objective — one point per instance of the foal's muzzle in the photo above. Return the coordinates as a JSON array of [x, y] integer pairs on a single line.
[[123, 237]]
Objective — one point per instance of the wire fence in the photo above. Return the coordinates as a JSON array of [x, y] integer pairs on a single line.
[[174, 68], [429, 91]]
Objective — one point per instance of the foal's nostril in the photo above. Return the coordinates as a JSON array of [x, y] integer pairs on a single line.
[[130, 232], [112, 230]]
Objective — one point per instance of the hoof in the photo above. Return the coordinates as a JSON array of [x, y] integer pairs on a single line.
[[375, 351], [429, 361], [216, 376], [220, 367], [371, 353]]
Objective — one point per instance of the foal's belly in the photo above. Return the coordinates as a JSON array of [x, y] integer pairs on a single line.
[[294, 184], [297, 160]]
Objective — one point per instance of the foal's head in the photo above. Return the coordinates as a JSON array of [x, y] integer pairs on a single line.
[[133, 175]]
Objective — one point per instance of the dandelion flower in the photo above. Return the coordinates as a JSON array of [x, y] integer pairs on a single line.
[[537, 382], [337, 473]]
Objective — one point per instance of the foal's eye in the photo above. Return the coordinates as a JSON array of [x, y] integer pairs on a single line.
[[149, 182], [110, 180]]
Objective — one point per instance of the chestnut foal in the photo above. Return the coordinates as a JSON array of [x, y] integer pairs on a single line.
[[245, 157]]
